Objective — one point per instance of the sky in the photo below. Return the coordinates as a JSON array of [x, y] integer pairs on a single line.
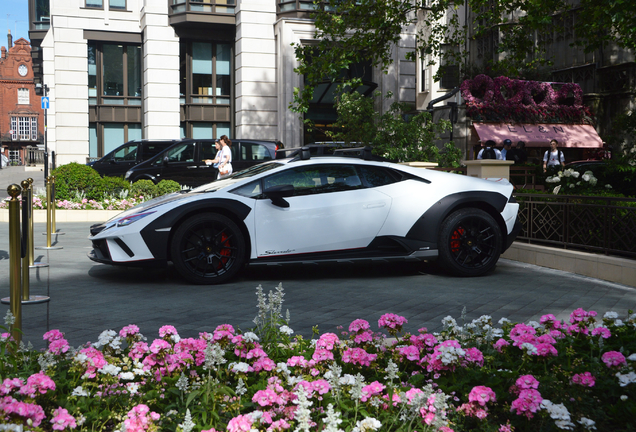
[[14, 16]]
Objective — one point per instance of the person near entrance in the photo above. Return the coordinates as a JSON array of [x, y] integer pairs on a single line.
[[554, 157]]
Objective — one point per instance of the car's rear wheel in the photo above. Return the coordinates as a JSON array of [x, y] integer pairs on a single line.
[[469, 242], [208, 249]]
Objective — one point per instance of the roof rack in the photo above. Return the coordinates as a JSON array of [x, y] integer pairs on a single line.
[[305, 152]]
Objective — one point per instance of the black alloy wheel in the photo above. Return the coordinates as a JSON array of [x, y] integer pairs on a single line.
[[208, 249], [470, 242]]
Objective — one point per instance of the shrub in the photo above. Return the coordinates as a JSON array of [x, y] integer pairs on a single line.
[[73, 177], [113, 186], [167, 186], [145, 188]]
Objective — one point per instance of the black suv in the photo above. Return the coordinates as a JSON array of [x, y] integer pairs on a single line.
[[184, 163], [127, 155]]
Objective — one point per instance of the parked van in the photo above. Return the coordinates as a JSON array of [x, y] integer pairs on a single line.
[[184, 163], [126, 156]]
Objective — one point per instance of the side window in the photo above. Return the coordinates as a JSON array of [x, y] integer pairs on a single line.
[[151, 150], [254, 152], [180, 153], [128, 153], [208, 151], [250, 190], [316, 179], [377, 176]]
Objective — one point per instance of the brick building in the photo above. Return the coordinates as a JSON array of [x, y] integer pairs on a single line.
[[21, 116]]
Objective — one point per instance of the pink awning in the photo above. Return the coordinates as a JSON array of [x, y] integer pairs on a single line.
[[539, 135]]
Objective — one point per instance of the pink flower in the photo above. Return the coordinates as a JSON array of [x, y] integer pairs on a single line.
[[602, 331], [327, 341], [527, 404], [545, 350], [62, 420], [129, 331], [37, 383], [138, 350], [500, 344], [10, 384], [481, 395], [473, 355], [410, 352], [527, 382], [59, 346], [297, 361], [358, 325], [358, 356], [53, 335], [392, 321], [322, 354], [585, 379], [321, 386], [265, 397], [579, 315], [550, 322], [140, 419], [375, 388], [613, 359], [168, 330], [264, 363], [365, 336], [224, 331]]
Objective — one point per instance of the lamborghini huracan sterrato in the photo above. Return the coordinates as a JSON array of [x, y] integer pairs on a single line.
[[310, 209]]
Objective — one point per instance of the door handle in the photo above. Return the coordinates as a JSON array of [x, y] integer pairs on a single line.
[[192, 167]]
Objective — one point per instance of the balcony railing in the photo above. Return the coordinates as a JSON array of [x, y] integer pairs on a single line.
[[206, 6]]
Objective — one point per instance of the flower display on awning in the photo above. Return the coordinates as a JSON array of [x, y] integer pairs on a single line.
[[503, 99]]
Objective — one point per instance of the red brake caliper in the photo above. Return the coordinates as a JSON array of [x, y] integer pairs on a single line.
[[455, 242], [226, 252]]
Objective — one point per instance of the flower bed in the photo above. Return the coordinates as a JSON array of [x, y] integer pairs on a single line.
[[539, 376], [39, 202]]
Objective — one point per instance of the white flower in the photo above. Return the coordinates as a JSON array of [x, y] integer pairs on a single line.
[[187, 424], [556, 190], [110, 369], [105, 338], [127, 376], [332, 420], [369, 424], [559, 413], [502, 321], [530, 349], [286, 330], [239, 367], [624, 398], [625, 379], [80, 391], [618, 323], [587, 423], [132, 388], [608, 186], [449, 321], [250, 337], [632, 357], [610, 315], [534, 324], [9, 319]]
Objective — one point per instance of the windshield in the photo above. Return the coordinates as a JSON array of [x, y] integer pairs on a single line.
[[246, 173]]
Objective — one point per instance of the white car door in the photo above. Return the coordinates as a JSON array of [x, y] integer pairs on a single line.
[[330, 211]]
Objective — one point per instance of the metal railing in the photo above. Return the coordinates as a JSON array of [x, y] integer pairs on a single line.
[[597, 224], [34, 156]]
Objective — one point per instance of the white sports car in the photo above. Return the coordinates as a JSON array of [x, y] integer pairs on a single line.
[[312, 210]]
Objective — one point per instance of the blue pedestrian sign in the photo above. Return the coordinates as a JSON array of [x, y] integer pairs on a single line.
[[45, 102]]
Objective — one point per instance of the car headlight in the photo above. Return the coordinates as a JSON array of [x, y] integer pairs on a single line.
[[128, 173], [125, 221]]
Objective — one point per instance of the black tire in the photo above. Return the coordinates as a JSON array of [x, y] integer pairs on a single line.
[[208, 249], [469, 243]]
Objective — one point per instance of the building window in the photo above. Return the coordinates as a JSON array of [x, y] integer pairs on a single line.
[[119, 80], [99, 4], [424, 74], [24, 128], [449, 67], [211, 73], [23, 96], [117, 4]]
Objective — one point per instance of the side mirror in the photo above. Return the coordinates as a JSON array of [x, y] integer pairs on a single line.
[[278, 194], [165, 161]]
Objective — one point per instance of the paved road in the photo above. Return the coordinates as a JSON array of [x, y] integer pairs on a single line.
[[87, 298], [15, 175]]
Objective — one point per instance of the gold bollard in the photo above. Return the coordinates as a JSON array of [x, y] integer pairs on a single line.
[[53, 229], [14, 261], [49, 206], [25, 239], [31, 243]]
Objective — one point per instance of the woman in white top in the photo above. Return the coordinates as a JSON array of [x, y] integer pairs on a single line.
[[225, 158], [553, 157]]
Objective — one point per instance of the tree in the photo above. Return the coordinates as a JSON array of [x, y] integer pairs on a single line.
[[350, 31]]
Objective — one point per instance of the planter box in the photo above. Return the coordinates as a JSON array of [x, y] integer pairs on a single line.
[[39, 216]]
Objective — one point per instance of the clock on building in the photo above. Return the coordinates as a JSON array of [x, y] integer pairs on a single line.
[[22, 70]]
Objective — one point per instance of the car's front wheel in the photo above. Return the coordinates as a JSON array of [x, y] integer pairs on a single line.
[[469, 242], [208, 249]]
